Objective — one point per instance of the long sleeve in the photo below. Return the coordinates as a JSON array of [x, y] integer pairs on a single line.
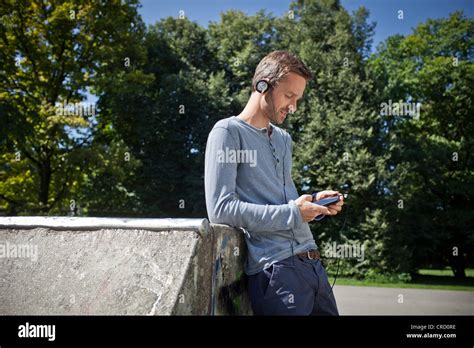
[[222, 202]]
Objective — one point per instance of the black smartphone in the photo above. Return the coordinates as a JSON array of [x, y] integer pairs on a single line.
[[326, 201]]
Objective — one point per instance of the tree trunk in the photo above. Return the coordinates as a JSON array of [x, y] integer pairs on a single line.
[[458, 265], [45, 180]]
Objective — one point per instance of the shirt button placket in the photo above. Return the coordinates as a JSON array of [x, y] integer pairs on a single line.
[[274, 154]]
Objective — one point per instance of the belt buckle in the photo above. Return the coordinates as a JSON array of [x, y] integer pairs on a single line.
[[308, 255]]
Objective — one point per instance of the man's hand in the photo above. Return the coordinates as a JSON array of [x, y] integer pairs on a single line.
[[334, 208], [309, 210]]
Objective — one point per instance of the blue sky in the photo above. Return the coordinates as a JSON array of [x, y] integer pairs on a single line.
[[384, 12]]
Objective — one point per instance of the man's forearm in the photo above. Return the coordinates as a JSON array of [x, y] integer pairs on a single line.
[[255, 217]]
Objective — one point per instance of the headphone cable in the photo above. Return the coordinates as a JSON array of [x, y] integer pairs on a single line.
[[339, 260]]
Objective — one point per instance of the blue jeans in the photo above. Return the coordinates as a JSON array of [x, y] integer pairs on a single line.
[[293, 286]]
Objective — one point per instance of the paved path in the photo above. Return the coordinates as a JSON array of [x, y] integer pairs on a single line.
[[367, 300]]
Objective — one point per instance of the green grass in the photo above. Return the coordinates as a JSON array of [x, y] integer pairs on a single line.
[[425, 279]]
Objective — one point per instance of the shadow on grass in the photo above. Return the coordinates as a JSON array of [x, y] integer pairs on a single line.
[[424, 279]]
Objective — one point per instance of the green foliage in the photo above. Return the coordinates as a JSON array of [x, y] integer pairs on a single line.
[[50, 53], [429, 165], [372, 275]]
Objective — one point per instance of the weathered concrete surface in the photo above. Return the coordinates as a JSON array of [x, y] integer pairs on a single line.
[[115, 266], [369, 300], [226, 279], [229, 283]]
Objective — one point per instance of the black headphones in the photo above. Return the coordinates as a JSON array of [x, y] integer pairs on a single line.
[[262, 86]]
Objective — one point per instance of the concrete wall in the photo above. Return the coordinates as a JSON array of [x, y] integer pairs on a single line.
[[67, 265]]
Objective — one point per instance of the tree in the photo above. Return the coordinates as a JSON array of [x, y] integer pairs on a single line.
[[430, 166], [238, 55], [164, 117], [51, 52]]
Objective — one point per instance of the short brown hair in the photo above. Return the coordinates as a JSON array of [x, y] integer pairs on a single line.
[[276, 65]]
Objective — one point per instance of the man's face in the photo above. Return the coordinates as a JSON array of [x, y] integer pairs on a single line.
[[285, 97]]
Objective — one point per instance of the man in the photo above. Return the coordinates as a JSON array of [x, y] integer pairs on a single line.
[[248, 185]]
